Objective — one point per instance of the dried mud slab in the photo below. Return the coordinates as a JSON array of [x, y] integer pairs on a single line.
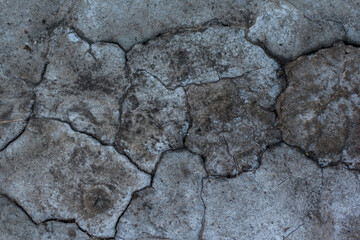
[[83, 84], [339, 208], [172, 208], [288, 33], [56, 173], [16, 100], [271, 202], [319, 110], [201, 57], [129, 22], [345, 13], [15, 225], [230, 123], [153, 120], [24, 31]]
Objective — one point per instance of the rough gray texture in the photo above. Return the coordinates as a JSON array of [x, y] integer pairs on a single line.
[[288, 33], [196, 119], [172, 208], [137, 21], [344, 13], [24, 32], [68, 175], [16, 100], [267, 204], [202, 57], [153, 120], [229, 126], [338, 209], [13, 219], [319, 110], [340, 205], [83, 85]]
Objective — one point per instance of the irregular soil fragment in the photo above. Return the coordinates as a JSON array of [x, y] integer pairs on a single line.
[[54, 172], [83, 84], [15, 225], [339, 208], [201, 57], [287, 32], [319, 110], [24, 32], [153, 120], [229, 126], [172, 208], [271, 202], [345, 13], [129, 22], [16, 99]]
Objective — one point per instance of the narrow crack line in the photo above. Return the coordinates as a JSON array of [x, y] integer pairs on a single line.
[[223, 78], [203, 158], [277, 58], [132, 161], [157, 164], [293, 231], [199, 84], [203, 220], [232, 157], [188, 117], [124, 96], [304, 152], [32, 109], [127, 206], [73, 221], [43, 72], [96, 139], [346, 166], [81, 35], [156, 78], [314, 158], [215, 22], [89, 41], [43, 223], [15, 138], [324, 47], [317, 20], [75, 129], [13, 201], [111, 42]]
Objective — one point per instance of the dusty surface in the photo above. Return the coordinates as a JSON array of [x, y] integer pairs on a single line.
[[319, 111], [180, 119]]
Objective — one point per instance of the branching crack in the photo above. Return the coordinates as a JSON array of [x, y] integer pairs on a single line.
[[43, 223]]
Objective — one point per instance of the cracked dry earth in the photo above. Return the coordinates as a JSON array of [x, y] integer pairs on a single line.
[[180, 119]]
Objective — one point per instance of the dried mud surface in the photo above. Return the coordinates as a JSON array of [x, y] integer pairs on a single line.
[[180, 119]]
